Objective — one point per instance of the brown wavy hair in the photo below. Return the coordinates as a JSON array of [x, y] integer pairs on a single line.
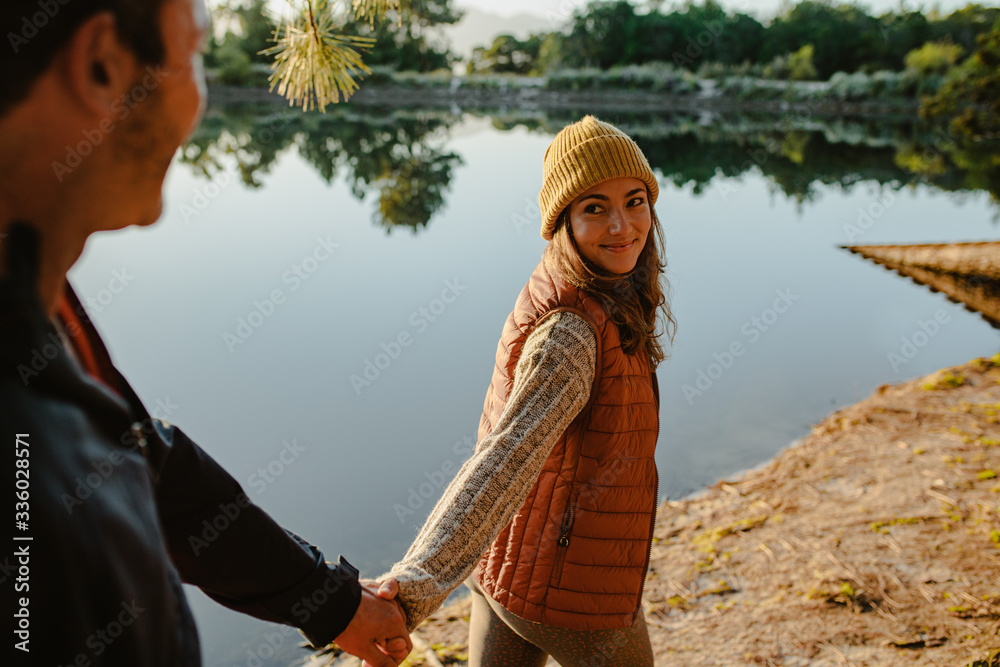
[[636, 301]]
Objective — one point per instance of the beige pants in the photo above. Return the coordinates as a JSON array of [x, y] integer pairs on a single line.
[[498, 638]]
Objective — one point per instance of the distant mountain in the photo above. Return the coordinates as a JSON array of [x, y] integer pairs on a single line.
[[479, 28]]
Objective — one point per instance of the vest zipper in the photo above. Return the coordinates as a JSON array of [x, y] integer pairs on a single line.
[[656, 505], [563, 541]]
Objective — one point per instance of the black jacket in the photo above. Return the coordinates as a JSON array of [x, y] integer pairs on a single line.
[[121, 508]]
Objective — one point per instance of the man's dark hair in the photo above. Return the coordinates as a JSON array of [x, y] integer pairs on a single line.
[[34, 31]]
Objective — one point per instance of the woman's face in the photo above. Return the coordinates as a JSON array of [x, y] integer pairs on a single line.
[[610, 223]]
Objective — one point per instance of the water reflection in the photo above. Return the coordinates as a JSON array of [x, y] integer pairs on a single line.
[[799, 154], [967, 273], [399, 154]]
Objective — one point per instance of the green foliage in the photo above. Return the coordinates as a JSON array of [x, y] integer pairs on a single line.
[[401, 161], [654, 77], [844, 38], [508, 54], [399, 157], [236, 56], [970, 96], [800, 64], [405, 39], [796, 66], [233, 65], [933, 58]]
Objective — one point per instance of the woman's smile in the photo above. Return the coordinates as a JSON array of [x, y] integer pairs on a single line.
[[619, 247], [610, 223]]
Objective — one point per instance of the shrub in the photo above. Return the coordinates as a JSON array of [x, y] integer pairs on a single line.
[[933, 58]]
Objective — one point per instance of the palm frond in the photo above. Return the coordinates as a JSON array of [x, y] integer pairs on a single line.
[[315, 65]]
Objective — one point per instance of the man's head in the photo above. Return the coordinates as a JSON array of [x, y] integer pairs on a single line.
[[98, 96], [35, 30]]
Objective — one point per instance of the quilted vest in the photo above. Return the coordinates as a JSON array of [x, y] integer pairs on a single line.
[[575, 554]]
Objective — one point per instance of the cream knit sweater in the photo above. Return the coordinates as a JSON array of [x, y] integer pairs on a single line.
[[552, 383]]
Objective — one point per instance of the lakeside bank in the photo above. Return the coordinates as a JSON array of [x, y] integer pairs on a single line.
[[875, 540], [849, 96]]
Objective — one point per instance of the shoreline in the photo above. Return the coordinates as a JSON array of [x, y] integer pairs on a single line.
[[536, 98], [873, 540]]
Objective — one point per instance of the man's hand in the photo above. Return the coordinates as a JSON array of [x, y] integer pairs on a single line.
[[377, 633]]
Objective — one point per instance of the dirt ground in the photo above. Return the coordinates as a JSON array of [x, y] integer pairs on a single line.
[[875, 541]]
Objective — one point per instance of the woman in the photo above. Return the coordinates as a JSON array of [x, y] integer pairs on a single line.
[[555, 511]]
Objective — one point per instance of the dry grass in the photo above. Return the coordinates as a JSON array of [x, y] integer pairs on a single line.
[[872, 542], [875, 541]]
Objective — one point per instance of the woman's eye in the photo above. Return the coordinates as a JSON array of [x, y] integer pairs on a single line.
[[638, 201], [592, 208]]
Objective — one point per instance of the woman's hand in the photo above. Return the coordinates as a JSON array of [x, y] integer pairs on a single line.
[[398, 648]]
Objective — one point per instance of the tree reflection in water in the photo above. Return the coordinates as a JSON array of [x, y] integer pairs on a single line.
[[402, 155]]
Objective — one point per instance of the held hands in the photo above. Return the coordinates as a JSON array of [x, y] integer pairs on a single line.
[[377, 633]]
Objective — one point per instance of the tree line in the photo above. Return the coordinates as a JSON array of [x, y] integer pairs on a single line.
[[811, 39]]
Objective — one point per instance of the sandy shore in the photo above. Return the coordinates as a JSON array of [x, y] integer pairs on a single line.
[[873, 541]]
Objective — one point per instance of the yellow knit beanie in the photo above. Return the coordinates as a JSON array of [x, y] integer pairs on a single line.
[[582, 155]]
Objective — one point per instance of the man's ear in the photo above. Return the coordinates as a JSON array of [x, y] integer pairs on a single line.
[[98, 67]]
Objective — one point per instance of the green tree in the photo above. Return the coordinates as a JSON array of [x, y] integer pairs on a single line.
[[234, 54], [964, 26], [796, 66], [800, 64], [902, 32], [970, 96], [507, 54], [844, 37], [255, 25], [601, 35], [933, 58], [399, 158], [406, 39]]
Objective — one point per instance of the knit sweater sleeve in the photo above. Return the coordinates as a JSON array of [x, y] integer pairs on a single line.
[[552, 384]]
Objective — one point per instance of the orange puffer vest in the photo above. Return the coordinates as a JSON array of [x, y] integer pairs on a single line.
[[576, 553]]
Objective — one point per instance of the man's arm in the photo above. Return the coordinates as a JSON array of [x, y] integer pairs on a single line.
[[229, 547]]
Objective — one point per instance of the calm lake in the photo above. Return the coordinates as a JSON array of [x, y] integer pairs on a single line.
[[320, 304]]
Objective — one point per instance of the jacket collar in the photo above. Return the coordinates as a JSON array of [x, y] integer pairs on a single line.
[[32, 355]]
